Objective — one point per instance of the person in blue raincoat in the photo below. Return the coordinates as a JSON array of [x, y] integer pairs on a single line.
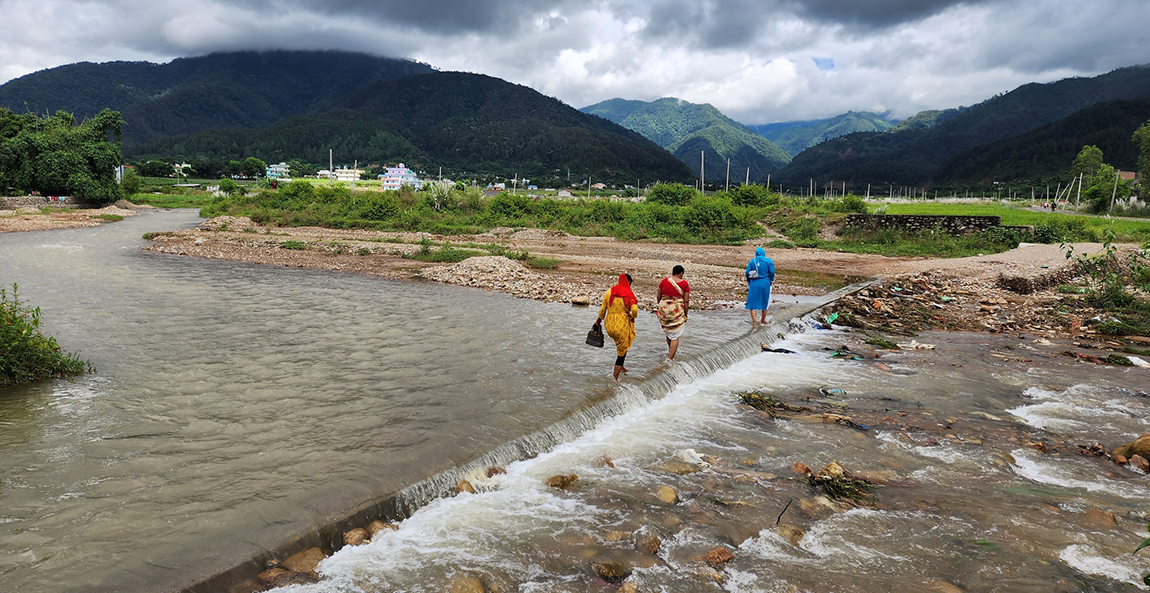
[[760, 274]]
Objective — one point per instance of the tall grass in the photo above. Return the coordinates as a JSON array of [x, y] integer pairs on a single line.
[[26, 354]]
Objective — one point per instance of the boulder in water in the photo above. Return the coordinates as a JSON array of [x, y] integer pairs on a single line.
[[667, 494], [464, 486], [648, 543], [465, 584], [581, 301], [562, 482], [690, 457], [1139, 446], [612, 572], [305, 561], [605, 461], [832, 471], [801, 469], [628, 587], [717, 556], [377, 526], [355, 537], [495, 471], [1140, 462], [792, 534]]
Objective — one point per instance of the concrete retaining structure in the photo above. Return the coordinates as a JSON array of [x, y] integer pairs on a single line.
[[14, 202], [917, 223]]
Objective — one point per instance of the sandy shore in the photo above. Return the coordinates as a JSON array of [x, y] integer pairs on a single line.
[[33, 219]]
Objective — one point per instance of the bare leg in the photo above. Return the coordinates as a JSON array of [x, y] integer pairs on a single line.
[[673, 347], [763, 319], [753, 320], [618, 369]]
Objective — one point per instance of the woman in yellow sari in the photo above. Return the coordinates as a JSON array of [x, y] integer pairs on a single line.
[[620, 308]]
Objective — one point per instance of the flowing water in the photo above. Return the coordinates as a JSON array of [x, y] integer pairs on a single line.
[[237, 405]]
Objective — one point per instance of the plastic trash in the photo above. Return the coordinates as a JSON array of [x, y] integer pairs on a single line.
[[1138, 362], [832, 317], [831, 391], [916, 345]]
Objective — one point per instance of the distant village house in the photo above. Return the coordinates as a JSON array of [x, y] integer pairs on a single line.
[[396, 177]]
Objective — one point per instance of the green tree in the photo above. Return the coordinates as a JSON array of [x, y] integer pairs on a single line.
[[1086, 164], [155, 169], [254, 168], [55, 155], [1142, 139], [230, 187], [1102, 189], [130, 183], [673, 194]]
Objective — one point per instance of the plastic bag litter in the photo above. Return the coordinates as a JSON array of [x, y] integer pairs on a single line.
[[916, 345], [1138, 362]]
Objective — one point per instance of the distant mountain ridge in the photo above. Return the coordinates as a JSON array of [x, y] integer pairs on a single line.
[[462, 122], [914, 156], [797, 136], [690, 130], [220, 90]]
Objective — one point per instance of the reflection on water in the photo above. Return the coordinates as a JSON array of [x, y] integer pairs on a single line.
[[236, 404]]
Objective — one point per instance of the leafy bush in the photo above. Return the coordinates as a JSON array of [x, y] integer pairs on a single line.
[[130, 182], [804, 231], [849, 203], [379, 207], [25, 353], [753, 195], [780, 244], [291, 244], [230, 187], [674, 194]]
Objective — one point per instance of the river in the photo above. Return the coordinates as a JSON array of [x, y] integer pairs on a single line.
[[238, 405]]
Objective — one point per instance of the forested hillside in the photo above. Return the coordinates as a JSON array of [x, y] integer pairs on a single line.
[[687, 130], [1050, 149], [221, 90], [466, 123], [913, 156], [797, 136]]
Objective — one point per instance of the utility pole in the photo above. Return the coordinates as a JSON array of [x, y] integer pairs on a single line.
[[702, 173], [728, 174], [1078, 198], [868, 191], [748, 181], [588, 187], [330, 169], [354, 173], [1114, 194]]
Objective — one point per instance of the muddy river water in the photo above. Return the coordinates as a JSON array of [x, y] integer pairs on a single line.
[[236, 405]]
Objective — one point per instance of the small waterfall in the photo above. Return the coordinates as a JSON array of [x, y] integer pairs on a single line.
[[408, 500]]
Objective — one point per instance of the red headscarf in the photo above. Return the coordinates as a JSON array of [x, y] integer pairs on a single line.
[[623, 291]]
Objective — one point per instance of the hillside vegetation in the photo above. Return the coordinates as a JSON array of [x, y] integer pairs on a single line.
[[186, 95], [913, 156], [688, 130], [797, 136], [466, 123]]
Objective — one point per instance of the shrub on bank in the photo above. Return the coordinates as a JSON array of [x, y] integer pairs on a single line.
[[25, 353]]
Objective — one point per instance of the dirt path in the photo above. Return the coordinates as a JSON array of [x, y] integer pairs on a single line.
[[33, 219]]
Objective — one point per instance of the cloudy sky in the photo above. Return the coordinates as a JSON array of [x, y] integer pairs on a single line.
[[759, 61]]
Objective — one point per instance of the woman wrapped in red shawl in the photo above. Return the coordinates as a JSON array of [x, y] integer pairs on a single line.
[[620, 308]]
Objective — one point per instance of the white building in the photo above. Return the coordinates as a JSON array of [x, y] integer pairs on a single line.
[[278, 171], [396, 177], [346, 174]]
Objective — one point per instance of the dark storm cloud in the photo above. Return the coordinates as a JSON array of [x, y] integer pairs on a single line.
[[873, 13], [432, 16]]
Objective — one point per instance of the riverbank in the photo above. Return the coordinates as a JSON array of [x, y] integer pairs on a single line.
[[29, 218], [587, 265]]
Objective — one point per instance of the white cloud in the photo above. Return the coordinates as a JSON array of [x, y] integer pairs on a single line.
[[755, 60]]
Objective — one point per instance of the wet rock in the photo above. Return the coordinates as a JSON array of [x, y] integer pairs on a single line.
[[629, 587], [801, 469], [690, 457], [581, 301], [377, 526], [667, 494], [495, 471], [612, 572], [274, 576], [718, 556], [605, 461], [875, 477], [465, 584], [1100, 518], [1119, 458], [708, 574], [832, 471], [793, 535], [1140, 462], [305, 561], [674, 466], [618, 536], [648, 543], [1139, 446], [937, 586], [464, 486], [562, 482], [355, 537]]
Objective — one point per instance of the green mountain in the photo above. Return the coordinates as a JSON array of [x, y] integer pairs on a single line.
[[797, 136], [1049, 150], [221, 90], [688, 130], [466, 123], [914, 156]]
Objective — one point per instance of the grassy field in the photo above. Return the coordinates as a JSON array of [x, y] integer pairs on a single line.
[[1086, 227], [190, 199]]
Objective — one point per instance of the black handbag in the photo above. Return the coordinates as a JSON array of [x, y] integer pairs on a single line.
[[595, 336]]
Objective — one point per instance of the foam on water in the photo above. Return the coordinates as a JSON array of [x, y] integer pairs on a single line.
[[1124, 569], [1069, 473], [1082, 409]]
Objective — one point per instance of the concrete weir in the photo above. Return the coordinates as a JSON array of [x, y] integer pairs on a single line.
[[242, 577]]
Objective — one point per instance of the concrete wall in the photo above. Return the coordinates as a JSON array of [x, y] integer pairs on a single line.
[[14, 202], [915, 223]]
